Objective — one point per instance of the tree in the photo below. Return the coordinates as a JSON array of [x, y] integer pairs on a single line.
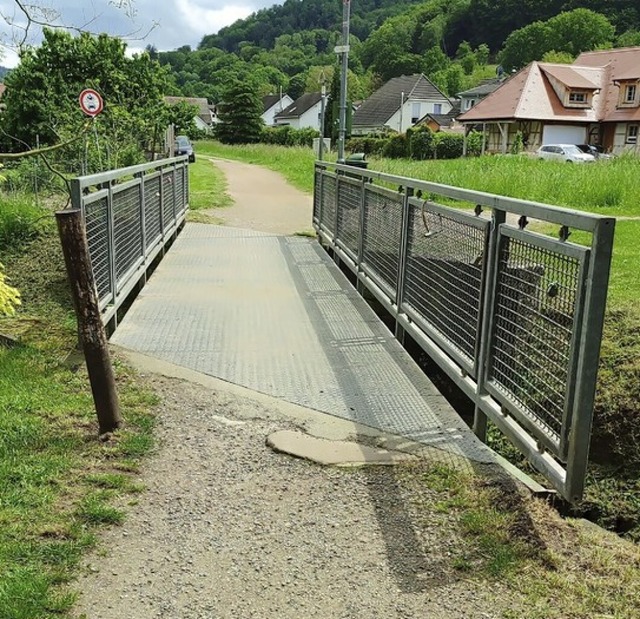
[[240, 113], [42, 97], [580, 30], [571, 32]]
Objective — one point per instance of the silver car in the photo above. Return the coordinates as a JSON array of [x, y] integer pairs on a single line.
[[564, 152]]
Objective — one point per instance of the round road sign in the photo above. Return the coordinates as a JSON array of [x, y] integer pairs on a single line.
[[91, 102]]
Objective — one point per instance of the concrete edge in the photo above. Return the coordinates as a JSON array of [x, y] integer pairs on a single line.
[[320, 424]]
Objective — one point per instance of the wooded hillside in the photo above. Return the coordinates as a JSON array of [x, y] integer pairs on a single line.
[[455, 42]]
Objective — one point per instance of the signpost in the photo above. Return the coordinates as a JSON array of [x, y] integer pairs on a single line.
[[344, 51], [91, 102]]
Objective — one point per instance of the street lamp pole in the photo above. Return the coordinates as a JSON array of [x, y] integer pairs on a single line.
[[344, 50]]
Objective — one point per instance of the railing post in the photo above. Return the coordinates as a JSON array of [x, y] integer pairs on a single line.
[[589, 356], [491, 266], [175, 200], [111, 242], [402, 260], [320, 194]]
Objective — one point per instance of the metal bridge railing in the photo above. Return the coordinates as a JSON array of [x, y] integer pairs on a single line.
[[130, 215], [514, 316]]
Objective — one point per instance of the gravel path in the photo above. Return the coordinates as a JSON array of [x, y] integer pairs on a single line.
[[263, 200], [229, 529]]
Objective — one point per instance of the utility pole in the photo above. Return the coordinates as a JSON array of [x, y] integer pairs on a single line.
[[344, 50]]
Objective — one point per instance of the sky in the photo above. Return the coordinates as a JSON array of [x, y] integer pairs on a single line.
[[174, 22]]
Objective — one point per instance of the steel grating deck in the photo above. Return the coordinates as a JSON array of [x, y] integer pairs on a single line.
[[276, 315]]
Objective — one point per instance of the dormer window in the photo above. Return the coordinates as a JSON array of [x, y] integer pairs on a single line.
[[630, 91], [577, 97]]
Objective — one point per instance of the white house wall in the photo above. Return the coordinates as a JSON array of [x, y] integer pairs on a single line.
[[401, 122], [311, 118], [268, 116]]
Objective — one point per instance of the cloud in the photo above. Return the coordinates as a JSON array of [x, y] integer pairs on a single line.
[[179, 22]]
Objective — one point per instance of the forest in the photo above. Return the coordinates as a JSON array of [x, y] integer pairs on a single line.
[[455, 42]]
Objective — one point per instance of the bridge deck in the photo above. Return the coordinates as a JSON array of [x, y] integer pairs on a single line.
[[276, 315]]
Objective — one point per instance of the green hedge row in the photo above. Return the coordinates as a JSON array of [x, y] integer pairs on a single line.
[[420, 143], [288, 136]]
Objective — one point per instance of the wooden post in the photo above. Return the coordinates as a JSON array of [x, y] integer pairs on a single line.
[[90, 328]]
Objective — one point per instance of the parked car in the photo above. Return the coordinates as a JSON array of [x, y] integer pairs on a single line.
[[184, 147], [564, 152], [592, 149]]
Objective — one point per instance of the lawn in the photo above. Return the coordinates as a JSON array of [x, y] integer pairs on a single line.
[[57, 481]]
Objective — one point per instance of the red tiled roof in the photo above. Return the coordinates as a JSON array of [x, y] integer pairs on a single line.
[[529, 95]]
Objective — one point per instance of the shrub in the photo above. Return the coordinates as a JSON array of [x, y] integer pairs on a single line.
[[288, 136], [448, 145], [397, 147], [367, 145], [421, 144], [474, 143]]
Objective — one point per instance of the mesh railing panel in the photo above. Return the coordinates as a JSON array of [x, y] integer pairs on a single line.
[[97, 226], [168, 213], [153, 228], [535, 305], [382, 235], [180, 197], [349, 199], [444, 276], [328, 219], [317, 196], [127, 229]]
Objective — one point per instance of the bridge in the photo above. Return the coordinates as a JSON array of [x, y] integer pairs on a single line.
[[513, 316]]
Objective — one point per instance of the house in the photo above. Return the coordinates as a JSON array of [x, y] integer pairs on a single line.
[[443, 122], [468, 98], [273, 104], [399, 104], [206, 116], [595, 100], [302, 113]]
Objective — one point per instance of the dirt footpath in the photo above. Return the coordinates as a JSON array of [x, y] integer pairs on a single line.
[[263, 200], [228, 529]]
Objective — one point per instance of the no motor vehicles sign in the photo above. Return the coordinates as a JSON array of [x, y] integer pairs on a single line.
[[91, 102]]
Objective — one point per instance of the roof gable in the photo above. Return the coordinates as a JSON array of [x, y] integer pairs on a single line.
[[386, 101], [529, 95], [300, 105], [270, 101]]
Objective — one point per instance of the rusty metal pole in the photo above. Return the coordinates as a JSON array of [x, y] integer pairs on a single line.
[[91, 332]]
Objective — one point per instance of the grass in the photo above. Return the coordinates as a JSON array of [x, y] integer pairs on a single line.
[[207, 186], [58, 483], [606, 188], [559, 569]]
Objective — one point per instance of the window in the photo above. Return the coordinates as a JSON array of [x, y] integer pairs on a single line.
[[437, 108], [630, 93], [577, 97], [415, 113], [632, 134]]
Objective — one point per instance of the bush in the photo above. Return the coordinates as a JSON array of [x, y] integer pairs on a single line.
[[367, 145], [288, 136], [421, 144], [448, 145], [474, 143], [397, 147]]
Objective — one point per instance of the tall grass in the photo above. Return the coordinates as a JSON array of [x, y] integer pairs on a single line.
[[605, 187], [20, 220]]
